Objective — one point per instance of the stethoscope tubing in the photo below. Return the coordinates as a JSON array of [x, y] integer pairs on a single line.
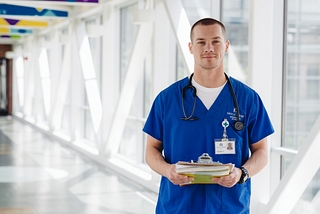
[[238, 124]]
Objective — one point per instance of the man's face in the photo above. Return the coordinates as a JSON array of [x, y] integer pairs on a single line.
[[208, 46]]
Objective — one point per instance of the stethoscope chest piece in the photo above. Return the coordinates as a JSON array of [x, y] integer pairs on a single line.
[[238, 125]]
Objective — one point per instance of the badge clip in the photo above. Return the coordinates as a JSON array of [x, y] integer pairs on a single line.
[[225, 124]]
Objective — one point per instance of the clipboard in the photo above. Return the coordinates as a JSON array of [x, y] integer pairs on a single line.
[[203, 171]]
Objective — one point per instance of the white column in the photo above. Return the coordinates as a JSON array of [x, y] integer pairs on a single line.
[[265, 76], [76, 122], [89, 76], [164, 50], [110, 74], [276, 90]]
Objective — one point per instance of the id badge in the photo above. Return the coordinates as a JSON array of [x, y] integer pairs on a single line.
[[225, 146]]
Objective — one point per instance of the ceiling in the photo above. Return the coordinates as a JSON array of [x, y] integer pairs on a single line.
[[20, 18]]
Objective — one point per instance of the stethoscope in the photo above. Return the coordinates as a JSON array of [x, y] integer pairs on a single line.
[[238, 125]]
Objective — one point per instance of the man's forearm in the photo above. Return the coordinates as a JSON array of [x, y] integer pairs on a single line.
[[156, 161], [258, 159]]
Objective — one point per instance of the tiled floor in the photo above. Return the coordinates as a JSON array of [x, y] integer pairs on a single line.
[[39, 175]]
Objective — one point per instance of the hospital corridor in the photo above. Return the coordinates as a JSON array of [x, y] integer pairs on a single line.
[[87, 92]]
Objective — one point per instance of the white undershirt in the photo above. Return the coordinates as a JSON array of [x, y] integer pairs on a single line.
[[207, 95]]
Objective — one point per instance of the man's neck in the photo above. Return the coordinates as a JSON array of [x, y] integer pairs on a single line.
[[210, 78]]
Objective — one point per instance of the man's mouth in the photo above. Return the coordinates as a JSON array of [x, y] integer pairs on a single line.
[[208, 56]]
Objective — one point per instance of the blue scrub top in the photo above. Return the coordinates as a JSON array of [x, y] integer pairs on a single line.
[[187, 140]]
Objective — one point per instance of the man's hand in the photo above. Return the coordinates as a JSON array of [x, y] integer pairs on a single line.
[[156, 161], [230, 180], [258, 160], [176, 178]]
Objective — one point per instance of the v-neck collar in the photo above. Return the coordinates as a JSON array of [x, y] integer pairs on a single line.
[[216, 106]]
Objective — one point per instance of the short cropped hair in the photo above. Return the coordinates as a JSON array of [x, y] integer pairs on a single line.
[[208, 21]]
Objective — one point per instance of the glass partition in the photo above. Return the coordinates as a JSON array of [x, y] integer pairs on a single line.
[[302, 86]]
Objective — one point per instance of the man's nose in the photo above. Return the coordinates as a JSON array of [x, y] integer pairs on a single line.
[[209, 48]]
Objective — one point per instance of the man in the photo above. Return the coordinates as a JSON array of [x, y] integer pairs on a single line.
[[182, 126]]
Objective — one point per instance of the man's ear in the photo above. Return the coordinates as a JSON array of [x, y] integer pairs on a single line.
[[227, 46], [190, 47]]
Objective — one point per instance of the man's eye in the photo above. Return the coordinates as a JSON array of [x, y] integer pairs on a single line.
[[216, 41], [200, 43]]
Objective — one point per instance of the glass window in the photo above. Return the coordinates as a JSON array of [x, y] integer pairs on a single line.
[[302, 74], [65, 121], [133, 140], [87, 130], [131, 143], [128, 33], [3, 87], [310, 200], [148, 83], [94, 44], [20, 75], [181, 67], [235, 16], [45, 81], [197, 9], [194, 10], [302, 87], [65, 124]]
